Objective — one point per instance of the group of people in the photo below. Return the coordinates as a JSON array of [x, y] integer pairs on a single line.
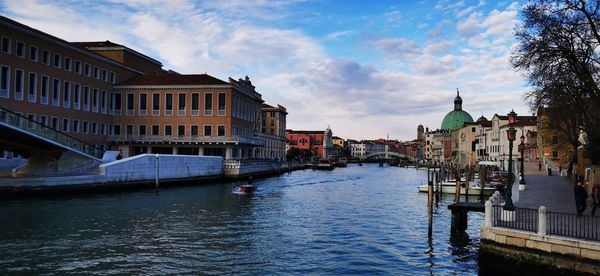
[[581, 196]]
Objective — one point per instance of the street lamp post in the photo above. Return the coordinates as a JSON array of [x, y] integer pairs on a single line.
[[522, 146], [510, 133]]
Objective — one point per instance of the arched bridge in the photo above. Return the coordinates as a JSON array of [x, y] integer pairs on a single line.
[[387, 154]]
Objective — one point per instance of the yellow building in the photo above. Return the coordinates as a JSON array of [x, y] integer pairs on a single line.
[[337, 141]]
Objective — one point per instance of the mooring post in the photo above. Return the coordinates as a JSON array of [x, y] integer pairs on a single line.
[[157, 172], [457, 191], [430, 206], [488, 214]]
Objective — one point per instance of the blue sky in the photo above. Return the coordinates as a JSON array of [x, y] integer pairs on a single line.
[[366, 68]]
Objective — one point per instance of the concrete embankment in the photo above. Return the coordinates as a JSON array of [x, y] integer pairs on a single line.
[[141, 172], [548, 240]]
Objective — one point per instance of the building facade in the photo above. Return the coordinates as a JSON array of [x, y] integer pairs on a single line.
[[318, 143], [111, 96], [273, 132]]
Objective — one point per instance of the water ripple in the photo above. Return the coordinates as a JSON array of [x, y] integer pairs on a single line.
[[355, 220]]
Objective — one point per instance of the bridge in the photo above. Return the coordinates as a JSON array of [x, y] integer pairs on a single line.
[[386, 154], [48, 151]]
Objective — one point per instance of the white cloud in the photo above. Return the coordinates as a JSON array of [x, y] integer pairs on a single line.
[[397, 48], [413, 82]]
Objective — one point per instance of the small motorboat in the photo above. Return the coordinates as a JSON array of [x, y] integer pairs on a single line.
[[247, 189]]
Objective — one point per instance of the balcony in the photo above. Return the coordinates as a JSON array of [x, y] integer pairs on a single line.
[[187, 139]]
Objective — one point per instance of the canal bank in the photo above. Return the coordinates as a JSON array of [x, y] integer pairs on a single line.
[[544, 234], [147, 171]]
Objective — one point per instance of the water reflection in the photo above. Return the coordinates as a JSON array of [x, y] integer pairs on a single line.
[[355, 220]]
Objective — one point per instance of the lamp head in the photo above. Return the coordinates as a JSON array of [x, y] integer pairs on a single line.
[[512, 117]]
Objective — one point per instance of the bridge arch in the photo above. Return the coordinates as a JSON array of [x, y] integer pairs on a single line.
[[387, 153]]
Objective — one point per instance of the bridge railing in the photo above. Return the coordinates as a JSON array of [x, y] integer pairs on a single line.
[[18, 121]]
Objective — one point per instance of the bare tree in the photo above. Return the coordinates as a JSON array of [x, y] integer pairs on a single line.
[[559, 52]]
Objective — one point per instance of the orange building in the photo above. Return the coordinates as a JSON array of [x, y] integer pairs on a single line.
[[109, 95]]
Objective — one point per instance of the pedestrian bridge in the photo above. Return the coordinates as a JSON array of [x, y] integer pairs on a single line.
[[387, 154], [48, 151]]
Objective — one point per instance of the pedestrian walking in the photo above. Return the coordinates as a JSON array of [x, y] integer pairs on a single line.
[[560, 170], [539, 166], [581, 196], [595, 197]]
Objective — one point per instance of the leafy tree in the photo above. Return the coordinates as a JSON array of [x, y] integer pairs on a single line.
[[559, 53]]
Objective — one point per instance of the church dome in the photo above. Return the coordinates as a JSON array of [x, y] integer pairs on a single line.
[[456, 118]]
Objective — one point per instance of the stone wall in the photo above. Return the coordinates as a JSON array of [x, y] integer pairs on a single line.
[[236, 168], [143, 167], [564, 252]]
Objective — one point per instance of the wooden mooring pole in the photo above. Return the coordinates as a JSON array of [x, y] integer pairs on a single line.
[[430, 203]]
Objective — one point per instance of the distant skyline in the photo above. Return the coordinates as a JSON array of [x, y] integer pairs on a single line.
[[365, 70]]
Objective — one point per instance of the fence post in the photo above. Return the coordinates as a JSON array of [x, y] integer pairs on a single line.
[[542, 221], [488, 214]]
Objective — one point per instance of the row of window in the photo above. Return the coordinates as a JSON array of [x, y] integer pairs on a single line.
[[85, 127], [142, 104], [167, 130], [50, 91], [70, 125], [57, 60]]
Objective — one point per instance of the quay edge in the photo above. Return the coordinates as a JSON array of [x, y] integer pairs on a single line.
[[510, 252], [139, 172]]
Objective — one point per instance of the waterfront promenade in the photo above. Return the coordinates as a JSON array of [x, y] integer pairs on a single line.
[[554, 192]]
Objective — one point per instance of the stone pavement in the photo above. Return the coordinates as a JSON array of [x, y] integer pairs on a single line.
[[554, 192]]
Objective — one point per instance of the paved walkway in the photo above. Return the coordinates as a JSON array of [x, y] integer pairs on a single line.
[[554, 192]]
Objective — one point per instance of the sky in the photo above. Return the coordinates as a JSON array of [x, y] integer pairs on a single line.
[[366, 69]]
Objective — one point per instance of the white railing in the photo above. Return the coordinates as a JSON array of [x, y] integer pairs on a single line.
[[155, 112], [4, 93], [55, 102], [86, 107], [76, 106], [31, 98], [19, 96], [44, 100], [195, 112], [186, 139], [168, 112], [66, 104], [221, 112], [142, 112], [181, 112], [117, 112], [207, 112], [129, 112]]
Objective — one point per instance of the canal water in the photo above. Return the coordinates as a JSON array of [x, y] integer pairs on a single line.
[[355, 220]]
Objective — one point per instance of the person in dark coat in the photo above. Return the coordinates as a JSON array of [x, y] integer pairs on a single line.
[[581, 196]]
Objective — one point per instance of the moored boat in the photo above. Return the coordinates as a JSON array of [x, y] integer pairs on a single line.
[[324, 164]]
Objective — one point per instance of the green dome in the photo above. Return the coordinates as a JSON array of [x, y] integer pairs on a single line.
[[456, 118]]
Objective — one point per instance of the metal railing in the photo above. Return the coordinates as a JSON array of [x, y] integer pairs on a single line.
[[186, 139], [522, 219], [545, 222], [31, 126], [569, 225]]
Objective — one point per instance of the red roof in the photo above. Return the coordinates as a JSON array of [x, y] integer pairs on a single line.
[[202, 79]]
